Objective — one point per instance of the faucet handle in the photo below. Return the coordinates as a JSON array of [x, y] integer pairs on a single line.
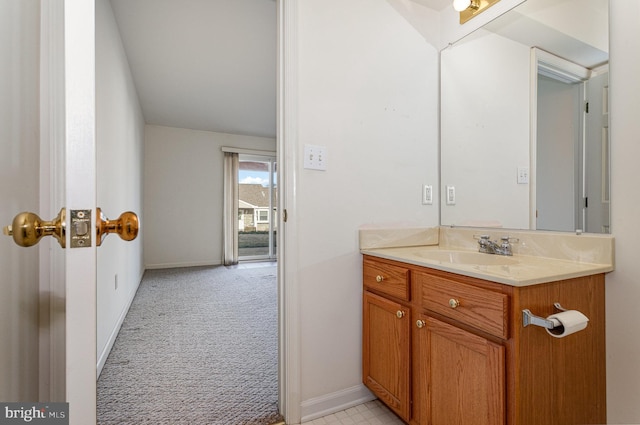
[[505, 245], [484, 244]]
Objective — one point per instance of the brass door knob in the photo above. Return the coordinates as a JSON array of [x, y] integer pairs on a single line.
[[454, 303], [379, 278], [399, 314], [420, 324], [27, 228], [126, 226]]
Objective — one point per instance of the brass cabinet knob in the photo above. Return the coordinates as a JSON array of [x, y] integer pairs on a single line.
[[379, 278], [126, 226], [420, 324], [27, 228], [453, 303], [399, 314]]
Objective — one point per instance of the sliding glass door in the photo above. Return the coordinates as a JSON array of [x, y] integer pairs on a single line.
[[257, 220]]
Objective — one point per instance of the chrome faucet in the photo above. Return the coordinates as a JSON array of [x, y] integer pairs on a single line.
[[487, 246]]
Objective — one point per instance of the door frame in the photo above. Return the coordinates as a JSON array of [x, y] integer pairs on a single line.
[[80, 189], [561, 69], [289, 385]]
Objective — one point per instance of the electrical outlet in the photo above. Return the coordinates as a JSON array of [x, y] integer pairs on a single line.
[[451, 195], [427, 194]]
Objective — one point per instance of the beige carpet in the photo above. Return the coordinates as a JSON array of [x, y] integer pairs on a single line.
[[198, 346]]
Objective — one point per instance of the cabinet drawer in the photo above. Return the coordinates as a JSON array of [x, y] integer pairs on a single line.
[[477, 307], [386, 278]]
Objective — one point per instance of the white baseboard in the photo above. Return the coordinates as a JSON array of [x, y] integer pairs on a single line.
[[102, 357], [186, 264], [335, 402]]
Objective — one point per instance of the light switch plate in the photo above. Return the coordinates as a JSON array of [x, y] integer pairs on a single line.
[[523, 175], [427, 194], [315, 157], [451, 195]]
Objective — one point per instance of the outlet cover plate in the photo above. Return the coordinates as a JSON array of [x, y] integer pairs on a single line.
[[451, 195]]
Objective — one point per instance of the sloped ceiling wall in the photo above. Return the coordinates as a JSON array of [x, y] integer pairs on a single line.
[[208, 64], [203, 64]]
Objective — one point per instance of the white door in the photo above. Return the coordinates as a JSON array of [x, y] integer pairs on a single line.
[[47, 108], [19, 165]]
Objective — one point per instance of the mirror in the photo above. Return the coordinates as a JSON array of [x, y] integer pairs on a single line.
[[518, 149]]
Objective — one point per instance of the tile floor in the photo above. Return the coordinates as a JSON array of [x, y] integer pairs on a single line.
[[370, 413]]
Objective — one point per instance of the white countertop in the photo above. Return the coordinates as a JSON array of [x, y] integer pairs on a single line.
[[538, 257], [526, 270]]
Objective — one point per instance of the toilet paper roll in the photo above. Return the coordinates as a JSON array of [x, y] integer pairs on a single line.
[[568, 322]]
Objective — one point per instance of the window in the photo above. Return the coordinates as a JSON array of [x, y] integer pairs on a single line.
[[262, 216]]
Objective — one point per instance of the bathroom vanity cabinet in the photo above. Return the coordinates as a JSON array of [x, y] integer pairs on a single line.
[[441, 348]]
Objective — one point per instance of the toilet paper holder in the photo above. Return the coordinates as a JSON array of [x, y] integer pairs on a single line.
[[529, 318]]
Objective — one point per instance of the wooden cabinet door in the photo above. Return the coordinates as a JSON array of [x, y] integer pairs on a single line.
[[385, 351], [463, 374]]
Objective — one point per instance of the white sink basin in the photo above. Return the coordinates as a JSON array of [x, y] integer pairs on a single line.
[[466, 257]]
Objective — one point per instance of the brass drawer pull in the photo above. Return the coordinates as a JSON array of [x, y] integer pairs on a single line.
[[399, 314], [453, 303], [379, 278]]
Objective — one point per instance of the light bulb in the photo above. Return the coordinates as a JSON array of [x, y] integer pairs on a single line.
[[460, 5]]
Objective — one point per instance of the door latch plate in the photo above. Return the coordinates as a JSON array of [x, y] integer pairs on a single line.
[[80, 228]]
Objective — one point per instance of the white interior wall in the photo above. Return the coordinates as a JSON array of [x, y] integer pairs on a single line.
[[19, 191], [119, 164], [485, 122], [368, 92], [623, 284], [424, 19], [183, 194]]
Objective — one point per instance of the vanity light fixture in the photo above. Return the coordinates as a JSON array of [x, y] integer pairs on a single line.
[[460, 5], [470, 8]]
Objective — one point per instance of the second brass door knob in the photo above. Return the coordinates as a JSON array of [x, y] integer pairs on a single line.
[[126, 226]]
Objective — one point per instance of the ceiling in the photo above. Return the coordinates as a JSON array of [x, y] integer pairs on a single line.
[[206, 64], [203, 64], [435, 4]]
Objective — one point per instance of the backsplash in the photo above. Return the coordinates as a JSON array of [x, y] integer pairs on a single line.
[[584, 248], [372, 238]]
